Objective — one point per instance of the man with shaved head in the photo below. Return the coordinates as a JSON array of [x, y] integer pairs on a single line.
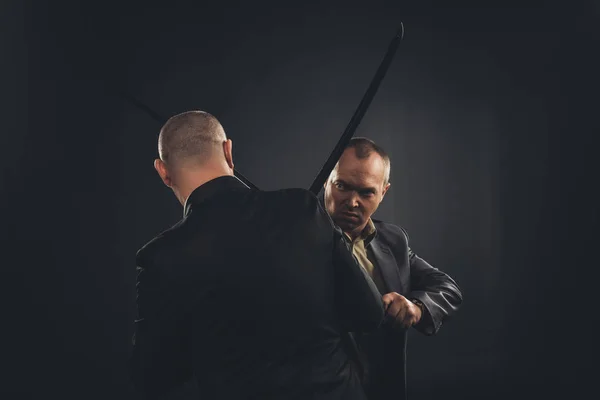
[[414, 293], [193, 149], [252, 291]]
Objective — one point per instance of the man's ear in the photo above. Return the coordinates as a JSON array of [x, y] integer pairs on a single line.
[[228, 152], [161, 168], [332, 175], [385, 189]]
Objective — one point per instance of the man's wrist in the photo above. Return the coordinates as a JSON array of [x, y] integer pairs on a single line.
[[419, 304]]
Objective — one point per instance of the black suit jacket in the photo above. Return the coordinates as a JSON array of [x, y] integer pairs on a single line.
[[409, 275], [249, 293]]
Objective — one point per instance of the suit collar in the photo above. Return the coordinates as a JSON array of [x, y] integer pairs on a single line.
[[369, 232], [387, 266], [209, 189]]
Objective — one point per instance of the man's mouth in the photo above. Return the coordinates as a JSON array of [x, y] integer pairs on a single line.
[[350, 215]]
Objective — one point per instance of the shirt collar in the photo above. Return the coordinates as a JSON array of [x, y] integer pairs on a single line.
[[211, 188]]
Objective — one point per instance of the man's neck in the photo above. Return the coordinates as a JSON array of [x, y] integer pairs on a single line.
[[367, 229], [197, 179], [356, 233]]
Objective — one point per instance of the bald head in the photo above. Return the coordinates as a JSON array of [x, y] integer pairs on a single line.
[[192, 138], [363, 150], [193, 150]]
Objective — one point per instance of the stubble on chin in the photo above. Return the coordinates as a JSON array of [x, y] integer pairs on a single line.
[[344, 225]]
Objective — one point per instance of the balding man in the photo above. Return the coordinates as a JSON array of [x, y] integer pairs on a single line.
[[415, 293], [251, 291]]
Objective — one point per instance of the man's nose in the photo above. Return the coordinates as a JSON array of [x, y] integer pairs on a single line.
[[353, 201]]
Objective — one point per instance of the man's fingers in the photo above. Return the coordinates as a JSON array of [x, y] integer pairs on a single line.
[[396, 307], [387, 299], [387, 304], [401, 318], [393, 309], [402, 314]]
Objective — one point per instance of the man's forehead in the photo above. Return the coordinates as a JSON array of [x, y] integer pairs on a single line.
[[369, 169], [359, 179]]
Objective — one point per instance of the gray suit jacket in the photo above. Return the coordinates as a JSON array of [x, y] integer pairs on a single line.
[[383, 353]]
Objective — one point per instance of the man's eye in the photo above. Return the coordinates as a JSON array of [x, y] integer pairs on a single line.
[[367, 194], [339, 185]]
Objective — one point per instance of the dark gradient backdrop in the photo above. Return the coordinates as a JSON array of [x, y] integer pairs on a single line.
[[489, 113]]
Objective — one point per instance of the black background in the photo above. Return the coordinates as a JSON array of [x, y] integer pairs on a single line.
[[489, 113]]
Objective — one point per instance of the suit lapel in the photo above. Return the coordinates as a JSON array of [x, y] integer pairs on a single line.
[[386, 262]]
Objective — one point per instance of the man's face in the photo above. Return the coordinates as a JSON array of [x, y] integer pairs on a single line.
[[354, 190]]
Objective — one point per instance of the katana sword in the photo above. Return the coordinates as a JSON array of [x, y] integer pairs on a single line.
[[355, 121], [347, 338], [335, 155]]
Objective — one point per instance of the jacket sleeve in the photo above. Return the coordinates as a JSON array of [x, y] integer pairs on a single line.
[[161, 358], [438, 292]]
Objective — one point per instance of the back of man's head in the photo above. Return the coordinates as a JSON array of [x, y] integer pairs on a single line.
[[191, 139], [193, 150]]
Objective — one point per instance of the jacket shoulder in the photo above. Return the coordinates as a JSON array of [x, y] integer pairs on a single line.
[[297, 195], [393, 233], [294, 198], [296, 210], [160, 242]]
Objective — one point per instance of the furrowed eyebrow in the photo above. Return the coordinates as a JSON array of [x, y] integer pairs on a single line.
[[351, 187], [369, 189]]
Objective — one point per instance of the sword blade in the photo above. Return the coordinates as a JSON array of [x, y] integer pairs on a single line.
[[335, 155]]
